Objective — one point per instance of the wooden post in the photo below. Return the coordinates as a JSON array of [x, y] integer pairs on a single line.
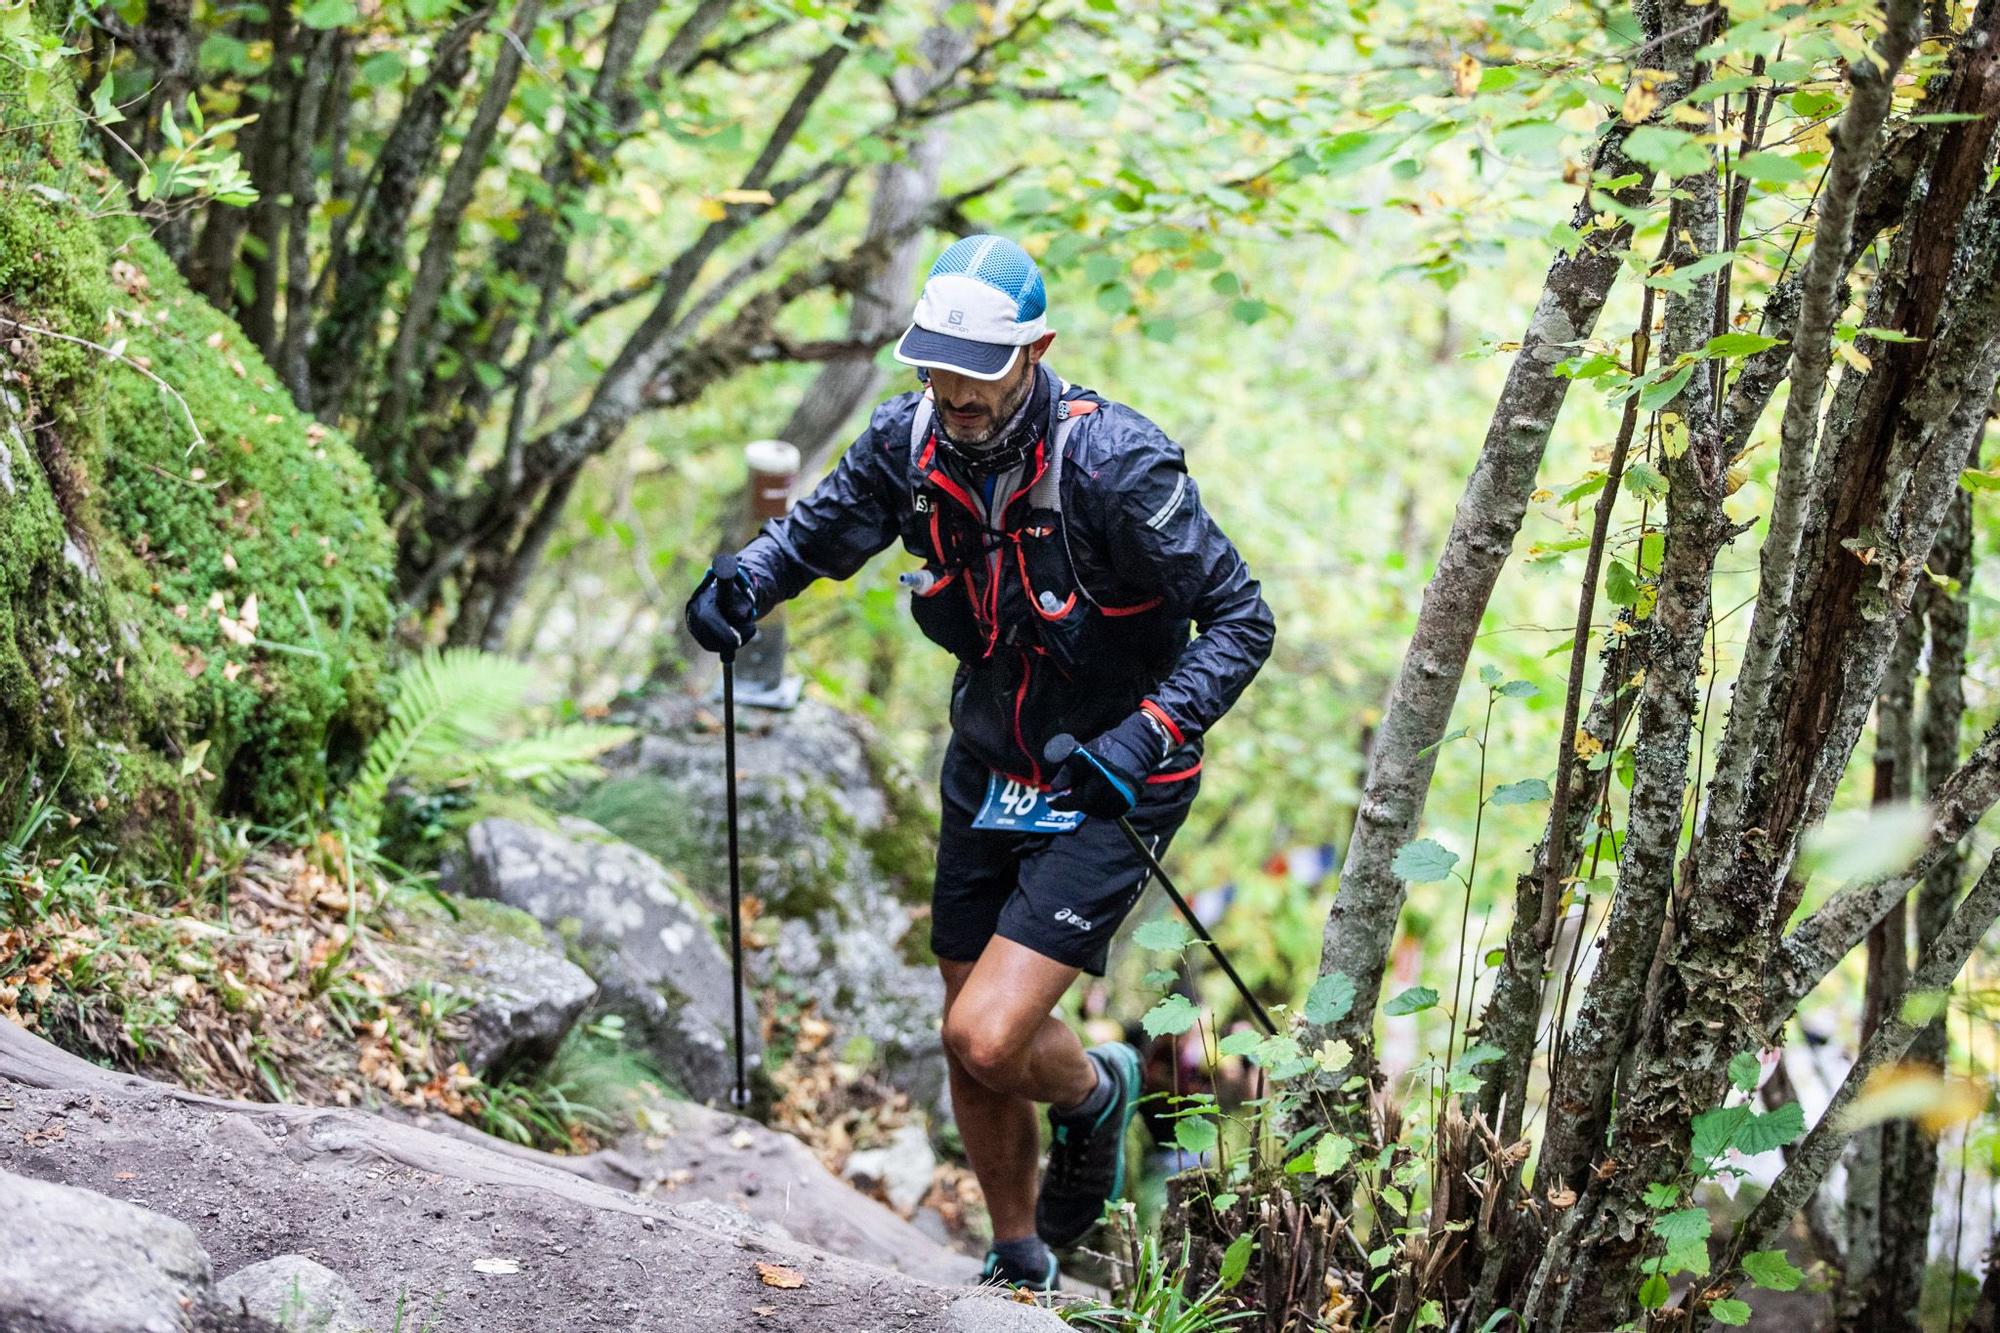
[[760, 668]]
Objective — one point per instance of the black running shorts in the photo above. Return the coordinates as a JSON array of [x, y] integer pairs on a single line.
[[1063, 894]]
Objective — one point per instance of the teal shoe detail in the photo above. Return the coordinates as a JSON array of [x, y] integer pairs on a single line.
[[1086, 1167]]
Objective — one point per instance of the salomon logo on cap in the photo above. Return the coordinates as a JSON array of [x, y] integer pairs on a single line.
[[982, 303]]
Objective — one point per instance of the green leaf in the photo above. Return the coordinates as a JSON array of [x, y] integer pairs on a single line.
[[1474, 1056], [1979, 481], [1730, 1311], [1239, 1043], [1236, 1260], [1661, 392], [1768, 168], [329, 14], [1644, 481], [1621, 585], [1489, 675], [1771, 1270], [1423, 862], [1675, 152], [1744, 1070], [1519, 689], [1456, 734], [1761, 1133], [1683, 1225], [1715, 1131], [1196, 1133], [1330, 999], [1414, 1000], [1653, 1292], [1661, 1194], [1354, 150], [1331, 1154], [1170, 1017], [1165, 935], [1887, 335], [1525, 792], [1589, 486], [1223, 1202], [1737, 344]]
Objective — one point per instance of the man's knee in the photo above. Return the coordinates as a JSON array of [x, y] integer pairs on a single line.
[[983, 1048]]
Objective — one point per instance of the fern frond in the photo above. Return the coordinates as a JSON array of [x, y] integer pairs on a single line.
[[551, 757], [445, 703]]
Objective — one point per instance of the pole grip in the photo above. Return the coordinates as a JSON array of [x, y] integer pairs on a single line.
[[1059, 748], [725, 566]]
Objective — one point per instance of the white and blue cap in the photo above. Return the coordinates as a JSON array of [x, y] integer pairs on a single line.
[[982, 303]]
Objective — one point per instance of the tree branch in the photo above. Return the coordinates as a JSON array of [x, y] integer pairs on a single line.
[[1822, 1145]]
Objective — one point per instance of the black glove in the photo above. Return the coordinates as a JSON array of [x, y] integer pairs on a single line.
[[1103, 777], [722, 614]]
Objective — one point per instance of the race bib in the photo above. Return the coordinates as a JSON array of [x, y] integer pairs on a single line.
[[1015, 807]]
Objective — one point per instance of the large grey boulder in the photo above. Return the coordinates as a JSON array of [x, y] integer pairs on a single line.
[[837, 847], [294, 1293], [521, 995], [454, 1230], [650, 946], [74, 1261]]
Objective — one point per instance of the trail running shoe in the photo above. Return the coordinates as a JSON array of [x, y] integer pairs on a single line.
[[1000, 1273], [1087, 1158]]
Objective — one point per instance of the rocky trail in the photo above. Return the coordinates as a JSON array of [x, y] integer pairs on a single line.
[[431, 1230]]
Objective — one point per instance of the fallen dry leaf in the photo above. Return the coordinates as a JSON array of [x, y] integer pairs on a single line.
[[777, 1275], [741, 1139], [496, 1265], [764, 1310]]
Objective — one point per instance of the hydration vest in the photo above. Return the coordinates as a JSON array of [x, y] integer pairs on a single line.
[[1001, 590]]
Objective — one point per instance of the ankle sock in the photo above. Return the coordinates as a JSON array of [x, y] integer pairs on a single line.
[[1100, 1096], [1026, 1255]]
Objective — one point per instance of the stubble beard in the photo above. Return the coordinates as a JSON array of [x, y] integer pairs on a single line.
[[997, 421]]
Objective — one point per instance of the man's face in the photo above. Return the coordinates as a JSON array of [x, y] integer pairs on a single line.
[[973, 411]]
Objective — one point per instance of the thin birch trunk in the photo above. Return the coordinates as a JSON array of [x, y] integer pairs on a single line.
[[1856, 141], [1361, 923], [1695, 531]]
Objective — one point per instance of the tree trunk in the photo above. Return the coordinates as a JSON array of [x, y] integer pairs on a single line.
[[903, 191], [1869, 1197], [1361, 923], [1910, 1154]]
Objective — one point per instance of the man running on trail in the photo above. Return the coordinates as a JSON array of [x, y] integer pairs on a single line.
[[1066, 555]]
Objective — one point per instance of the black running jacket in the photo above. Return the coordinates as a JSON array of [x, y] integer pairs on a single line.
[[1076, 611]]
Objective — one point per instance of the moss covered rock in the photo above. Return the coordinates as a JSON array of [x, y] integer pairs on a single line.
[[193, 574]]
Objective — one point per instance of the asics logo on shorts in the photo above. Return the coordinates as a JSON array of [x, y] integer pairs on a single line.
[[1064, 914]]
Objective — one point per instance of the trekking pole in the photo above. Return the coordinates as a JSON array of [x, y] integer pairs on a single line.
[[739, 1095], [1061, 748]]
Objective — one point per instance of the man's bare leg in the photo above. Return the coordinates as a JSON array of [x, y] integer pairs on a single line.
[[1005, 1052]]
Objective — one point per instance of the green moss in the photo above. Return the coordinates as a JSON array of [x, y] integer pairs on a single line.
[[124, 543], [273, 507], [480, 915]]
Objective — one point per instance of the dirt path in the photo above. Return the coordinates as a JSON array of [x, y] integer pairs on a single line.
[[408, 1216]]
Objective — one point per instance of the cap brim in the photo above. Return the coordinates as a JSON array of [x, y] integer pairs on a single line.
[[941, 351]]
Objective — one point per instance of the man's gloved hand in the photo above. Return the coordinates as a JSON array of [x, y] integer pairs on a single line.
[[722, 614], [1103, 776]]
